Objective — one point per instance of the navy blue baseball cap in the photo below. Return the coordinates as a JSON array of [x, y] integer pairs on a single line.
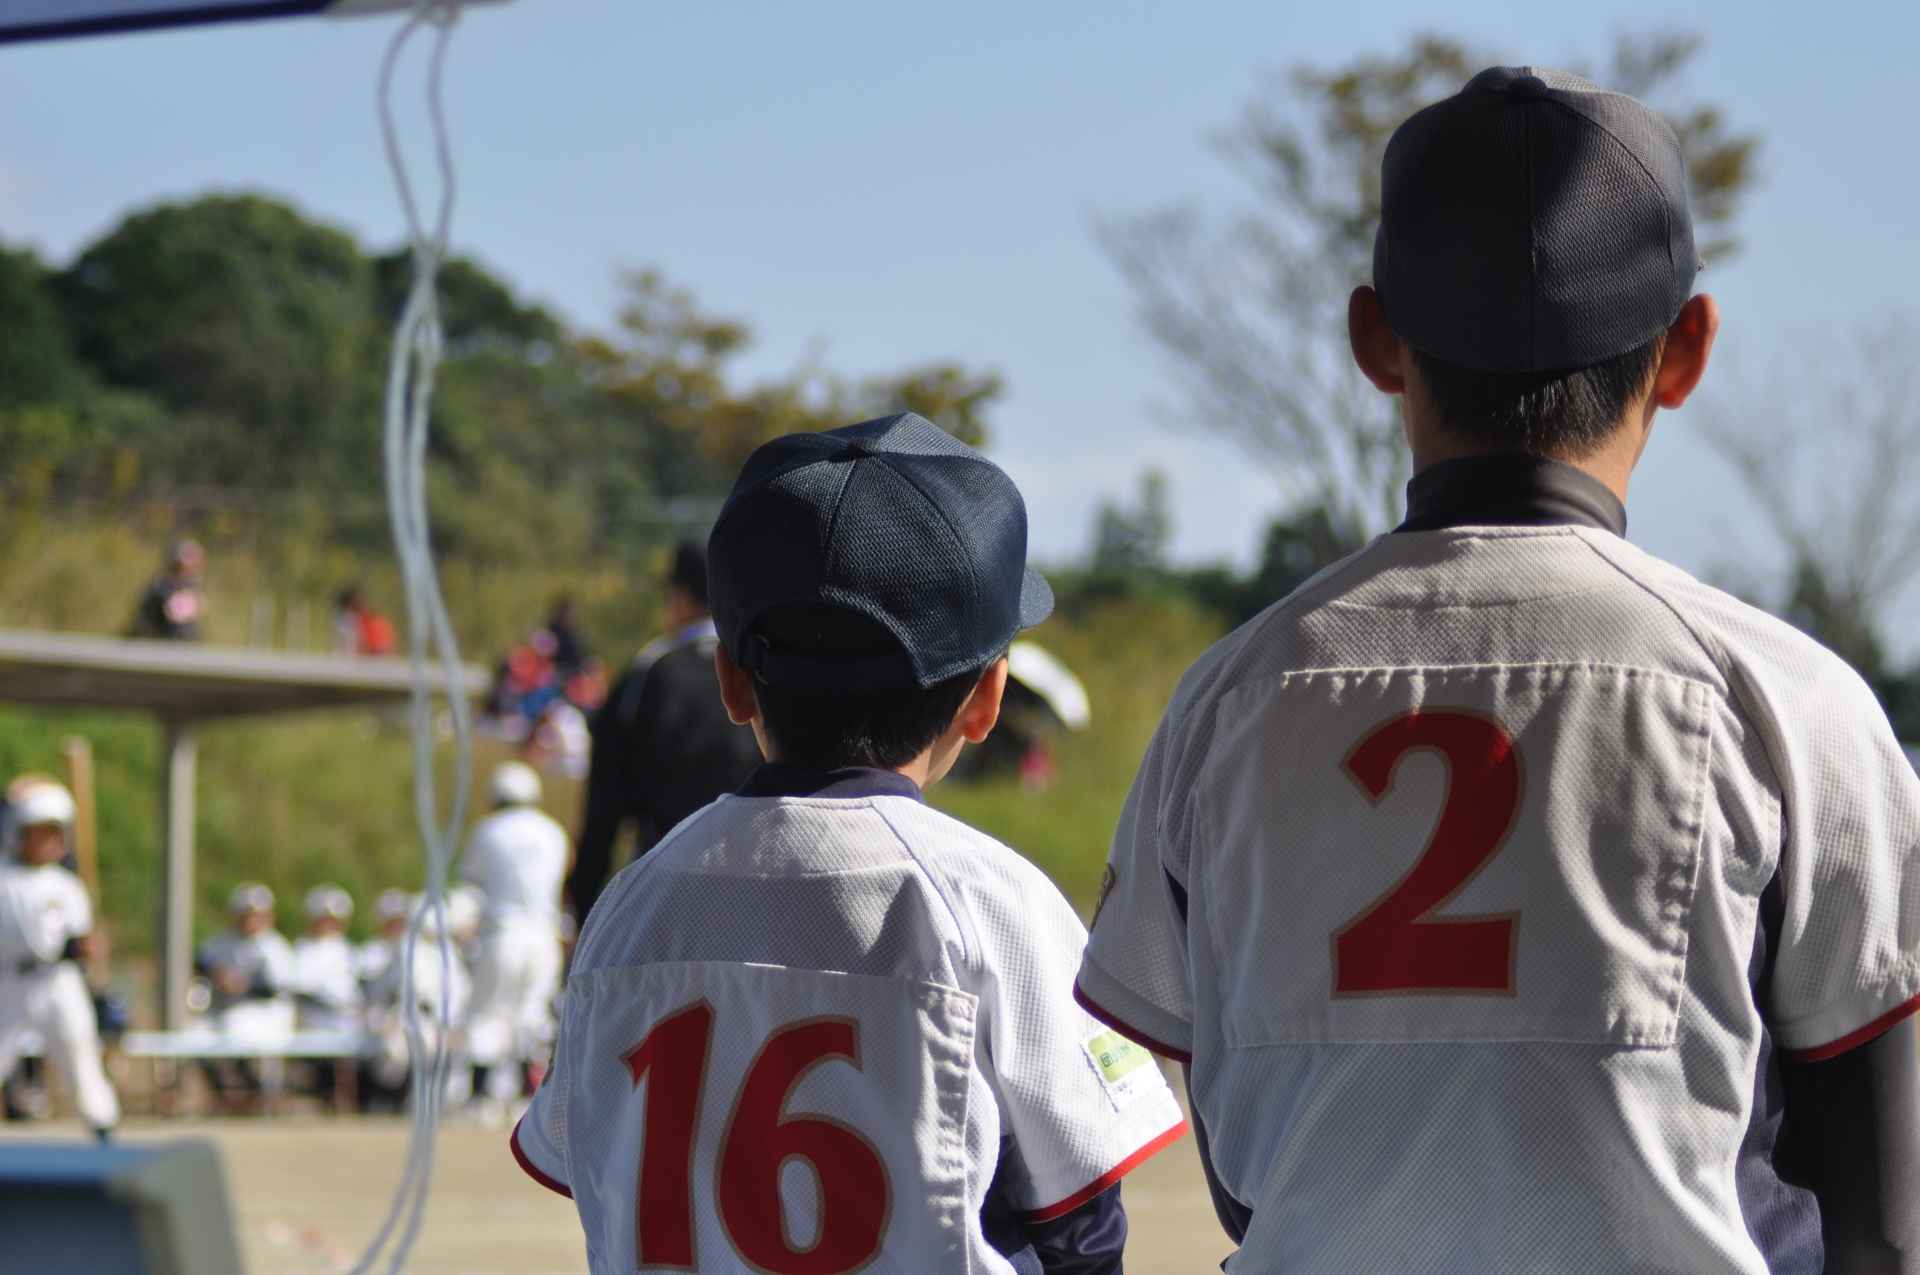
[[893, 519], [1533, 222]]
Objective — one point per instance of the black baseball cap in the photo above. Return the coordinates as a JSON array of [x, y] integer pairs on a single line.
[[1533, 222], [893, 519]]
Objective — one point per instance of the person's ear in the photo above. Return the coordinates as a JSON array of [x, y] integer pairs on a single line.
[[1378, 351], [736, 688], [981, 712], [1689, 344]]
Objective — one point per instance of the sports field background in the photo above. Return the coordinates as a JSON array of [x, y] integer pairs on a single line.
[[295, 801], [307, 1194]]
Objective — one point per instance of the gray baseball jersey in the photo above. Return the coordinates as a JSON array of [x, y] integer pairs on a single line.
[[1478, 879]]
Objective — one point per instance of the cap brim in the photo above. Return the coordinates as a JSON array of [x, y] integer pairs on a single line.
[[1036, 599]]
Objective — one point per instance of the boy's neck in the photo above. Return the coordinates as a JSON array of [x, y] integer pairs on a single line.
[[919, 769]]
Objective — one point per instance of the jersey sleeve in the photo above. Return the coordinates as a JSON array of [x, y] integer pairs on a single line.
[[1847, 965], [539, 1140], [1083, 1106], [1135, 975], [78, 908]]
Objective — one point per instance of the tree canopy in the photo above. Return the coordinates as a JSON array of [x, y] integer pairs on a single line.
[[231, 344]]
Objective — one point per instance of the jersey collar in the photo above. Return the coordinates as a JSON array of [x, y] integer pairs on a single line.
[[776, 779], [1510, 491], [695, 631]]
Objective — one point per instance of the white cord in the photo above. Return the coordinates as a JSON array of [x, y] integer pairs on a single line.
[[417, 345]]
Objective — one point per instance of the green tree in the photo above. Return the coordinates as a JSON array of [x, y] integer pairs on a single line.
[[250, 322], [672, 363], [1251, 314], [37, 362], [1131, 544]]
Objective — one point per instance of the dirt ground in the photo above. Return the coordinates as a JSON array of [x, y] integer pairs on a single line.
[[308, 1194]]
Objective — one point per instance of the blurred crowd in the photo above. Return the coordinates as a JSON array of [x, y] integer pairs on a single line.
[[494, 984], [544, 689], [272, 1013]]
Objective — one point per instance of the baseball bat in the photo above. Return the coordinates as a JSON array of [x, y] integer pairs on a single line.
[[78, 752]]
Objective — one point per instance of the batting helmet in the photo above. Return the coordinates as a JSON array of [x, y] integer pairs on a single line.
[[515, 784], [34, 804]]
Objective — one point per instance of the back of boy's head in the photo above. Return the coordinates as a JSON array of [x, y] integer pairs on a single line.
[[869, 722], [866, 576]]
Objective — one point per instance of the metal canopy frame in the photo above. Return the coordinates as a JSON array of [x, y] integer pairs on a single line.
[[183, 685]]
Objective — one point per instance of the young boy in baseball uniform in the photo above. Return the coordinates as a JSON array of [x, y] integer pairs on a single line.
[[325, 965], [46, 928], [820, 1027]]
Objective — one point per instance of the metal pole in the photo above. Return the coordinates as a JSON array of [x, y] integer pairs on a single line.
[[176, 905]]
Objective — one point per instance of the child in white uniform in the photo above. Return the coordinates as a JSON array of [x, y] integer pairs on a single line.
[[46, 927]]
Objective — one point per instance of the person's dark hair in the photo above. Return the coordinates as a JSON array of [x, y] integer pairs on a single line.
[[1563, 415], [689, 570], [829, 729]]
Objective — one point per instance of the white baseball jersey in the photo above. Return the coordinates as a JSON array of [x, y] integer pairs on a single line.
[[1478, 878], [41, 908], [518, 859], [802, 1032], [326, 971]]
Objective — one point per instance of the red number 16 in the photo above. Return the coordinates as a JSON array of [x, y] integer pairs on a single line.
[[760, 1139], [1397, 944]]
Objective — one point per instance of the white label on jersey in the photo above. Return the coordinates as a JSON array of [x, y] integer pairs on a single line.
[[724, 1115], [1126, 1071], [1454, 854]]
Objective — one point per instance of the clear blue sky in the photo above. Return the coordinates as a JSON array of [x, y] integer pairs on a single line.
[[887, 184]]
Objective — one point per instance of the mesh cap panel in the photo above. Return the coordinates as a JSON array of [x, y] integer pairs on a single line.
[[892, 518], [1533, 222]]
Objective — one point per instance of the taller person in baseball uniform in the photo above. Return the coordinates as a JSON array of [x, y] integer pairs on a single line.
[[516, 857], [46, 929], [662, 744], [1517, 901], [822, 1028]]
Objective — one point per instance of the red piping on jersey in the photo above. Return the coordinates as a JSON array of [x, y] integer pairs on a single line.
[[533, 1170], [1854, 1039], [1133, 1034], [1108, 1178]]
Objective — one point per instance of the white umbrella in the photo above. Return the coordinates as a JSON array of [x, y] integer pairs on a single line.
[[1035, 668]]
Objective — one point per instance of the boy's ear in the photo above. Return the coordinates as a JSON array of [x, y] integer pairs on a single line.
[[981, 712], [736, 688], [1380, 354]]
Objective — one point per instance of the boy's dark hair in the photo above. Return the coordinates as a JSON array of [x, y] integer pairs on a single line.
[[1562, 415], [830, 729]]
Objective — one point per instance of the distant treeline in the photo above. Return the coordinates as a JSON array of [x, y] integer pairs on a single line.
[[229, 353]]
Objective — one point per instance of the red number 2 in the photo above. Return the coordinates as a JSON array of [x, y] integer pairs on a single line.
[[760, 1139], [1396, 944]]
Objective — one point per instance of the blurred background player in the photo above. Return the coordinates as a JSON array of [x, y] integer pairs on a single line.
[[377, 960], [250, 978], [440, 992], [173, 604], [326, 978], [662, 744], [516, 858], [46, 929]]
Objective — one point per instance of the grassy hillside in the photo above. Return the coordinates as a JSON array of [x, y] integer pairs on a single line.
[[297, 800]]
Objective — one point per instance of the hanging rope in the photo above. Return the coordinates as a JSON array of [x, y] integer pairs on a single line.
[[418, 341]]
